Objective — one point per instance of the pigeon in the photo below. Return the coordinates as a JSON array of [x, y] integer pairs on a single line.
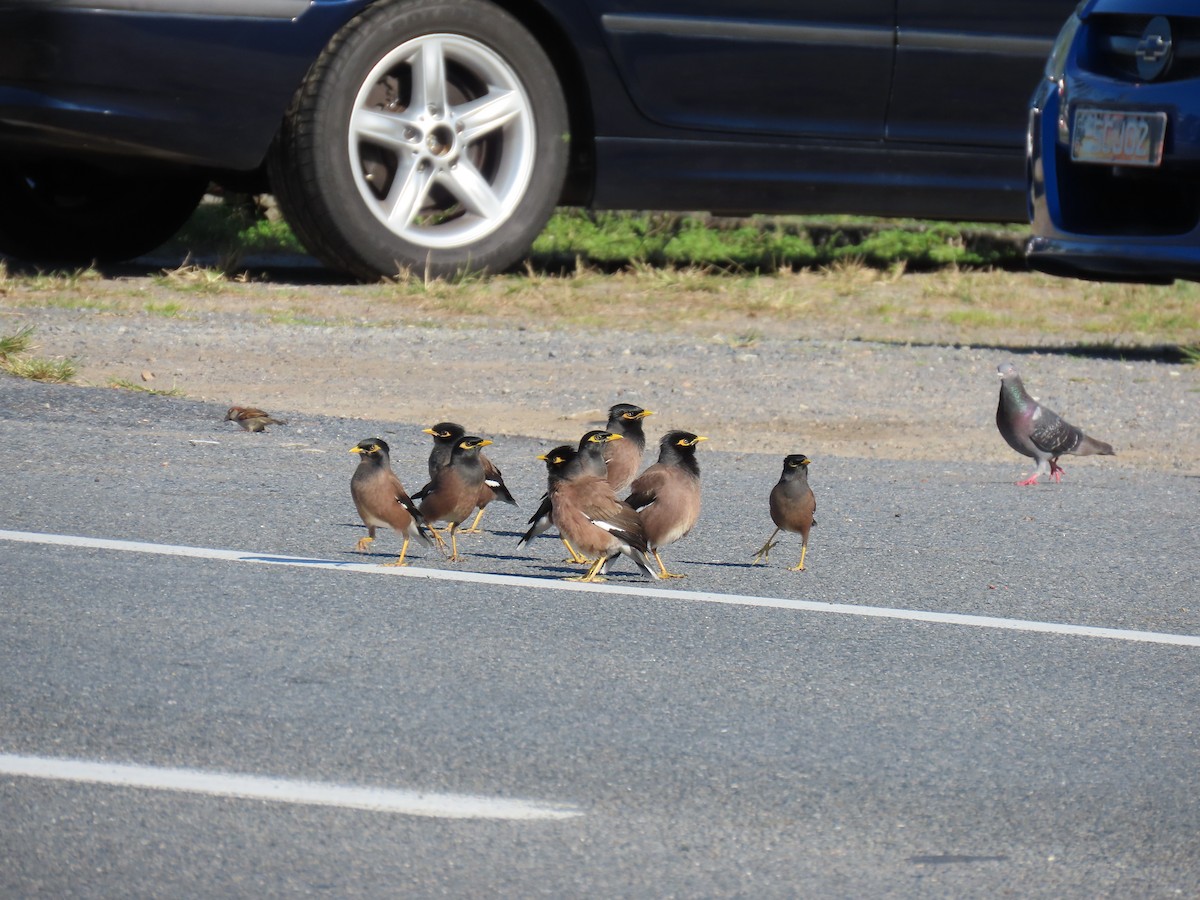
[[252, 419], [1035, 431]]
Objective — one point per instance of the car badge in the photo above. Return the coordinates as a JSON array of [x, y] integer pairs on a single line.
[[1154, 49]]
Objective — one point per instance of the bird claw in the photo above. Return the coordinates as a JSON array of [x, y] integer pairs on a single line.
[[764, 554], [1032, 479], [395, 565], [363, 544], [586, 579]]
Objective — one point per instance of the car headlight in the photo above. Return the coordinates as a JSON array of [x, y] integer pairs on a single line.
[[1057, 61]]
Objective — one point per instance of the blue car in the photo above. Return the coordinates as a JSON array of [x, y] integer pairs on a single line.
[[1114, 145], [439, 135]]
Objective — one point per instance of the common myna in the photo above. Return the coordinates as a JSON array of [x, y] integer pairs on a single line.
[[454, 492], [251, 419], [792, 507], [561, 463], [625, 458], [588, 514], [381, 501], [445, 436], [1033, 430], [667, 495]]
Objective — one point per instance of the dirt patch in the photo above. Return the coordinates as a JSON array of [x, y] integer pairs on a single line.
[[775, 381]]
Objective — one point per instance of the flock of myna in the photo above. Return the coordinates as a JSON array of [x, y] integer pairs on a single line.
[[584, 484]]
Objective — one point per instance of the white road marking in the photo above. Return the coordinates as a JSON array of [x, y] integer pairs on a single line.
[[552, 584], [282, 790]]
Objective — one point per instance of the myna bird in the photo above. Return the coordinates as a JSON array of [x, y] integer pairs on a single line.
[[792, 507], [561, 463], [251, 419], [381, 501], [445, 436], [1033, 430], [667, 495], [454, 492], [625, 458], [588, 514]]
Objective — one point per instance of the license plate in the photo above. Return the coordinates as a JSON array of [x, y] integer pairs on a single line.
[[1118, 138]]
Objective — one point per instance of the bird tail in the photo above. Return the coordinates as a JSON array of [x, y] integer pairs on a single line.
[[1089, 446], [642, 561]]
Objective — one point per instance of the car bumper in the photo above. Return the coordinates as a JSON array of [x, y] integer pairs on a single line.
[[1100, 223]]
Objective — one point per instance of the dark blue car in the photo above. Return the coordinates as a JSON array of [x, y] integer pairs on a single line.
[[1114, 144], [439, 135]]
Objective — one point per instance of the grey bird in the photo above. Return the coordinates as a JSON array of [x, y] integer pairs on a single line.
[[1035, 431], [667, 495], [792, 507]]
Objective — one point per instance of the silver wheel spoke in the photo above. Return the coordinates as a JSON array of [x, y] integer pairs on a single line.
[[429, 78], [388, 130], [493, 110], [407, 196], [471, 189]]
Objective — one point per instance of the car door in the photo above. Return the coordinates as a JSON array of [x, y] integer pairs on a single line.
[[965, 69], [755, 67]]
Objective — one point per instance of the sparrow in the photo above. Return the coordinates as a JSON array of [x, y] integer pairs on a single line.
[[561, 463], [445, 436], [792, 507], [667, 495], [1033, 430], [624, 459], [587, 513], [251, 419], [454, 492], [381, 501]]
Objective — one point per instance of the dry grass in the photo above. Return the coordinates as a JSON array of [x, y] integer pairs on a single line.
[[845, 300]]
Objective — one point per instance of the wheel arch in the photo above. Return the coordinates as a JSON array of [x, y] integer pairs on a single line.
[[556, 42]]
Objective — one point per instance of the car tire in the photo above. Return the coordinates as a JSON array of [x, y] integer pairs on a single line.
[[76, 214], [429, 137]]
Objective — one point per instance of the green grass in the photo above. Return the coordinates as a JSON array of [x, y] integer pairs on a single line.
[[575, 239], [14, 359], [125, 384]]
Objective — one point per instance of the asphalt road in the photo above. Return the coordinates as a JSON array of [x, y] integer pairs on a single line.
[[785, 741]]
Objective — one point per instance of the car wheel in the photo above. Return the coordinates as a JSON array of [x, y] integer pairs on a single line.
[[75, 213], [429, 136]]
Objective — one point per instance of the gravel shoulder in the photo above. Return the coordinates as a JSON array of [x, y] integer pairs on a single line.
[[781, 392]]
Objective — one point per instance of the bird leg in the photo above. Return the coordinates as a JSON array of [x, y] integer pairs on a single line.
[[400, 560], [799, 567], [1032, 479], [764, 552], [453, 557], [591, 572], [1056, 471], [663, 573], [474, 529], [576, 558], [363, 544]]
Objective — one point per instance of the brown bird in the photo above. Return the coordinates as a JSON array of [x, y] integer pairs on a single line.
[[452, 495], [625, 458], [588, 514], [792, 507], [562, 463], [667, 495], [445, 436], [381, 501], [251, 419], [1037, 431]]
